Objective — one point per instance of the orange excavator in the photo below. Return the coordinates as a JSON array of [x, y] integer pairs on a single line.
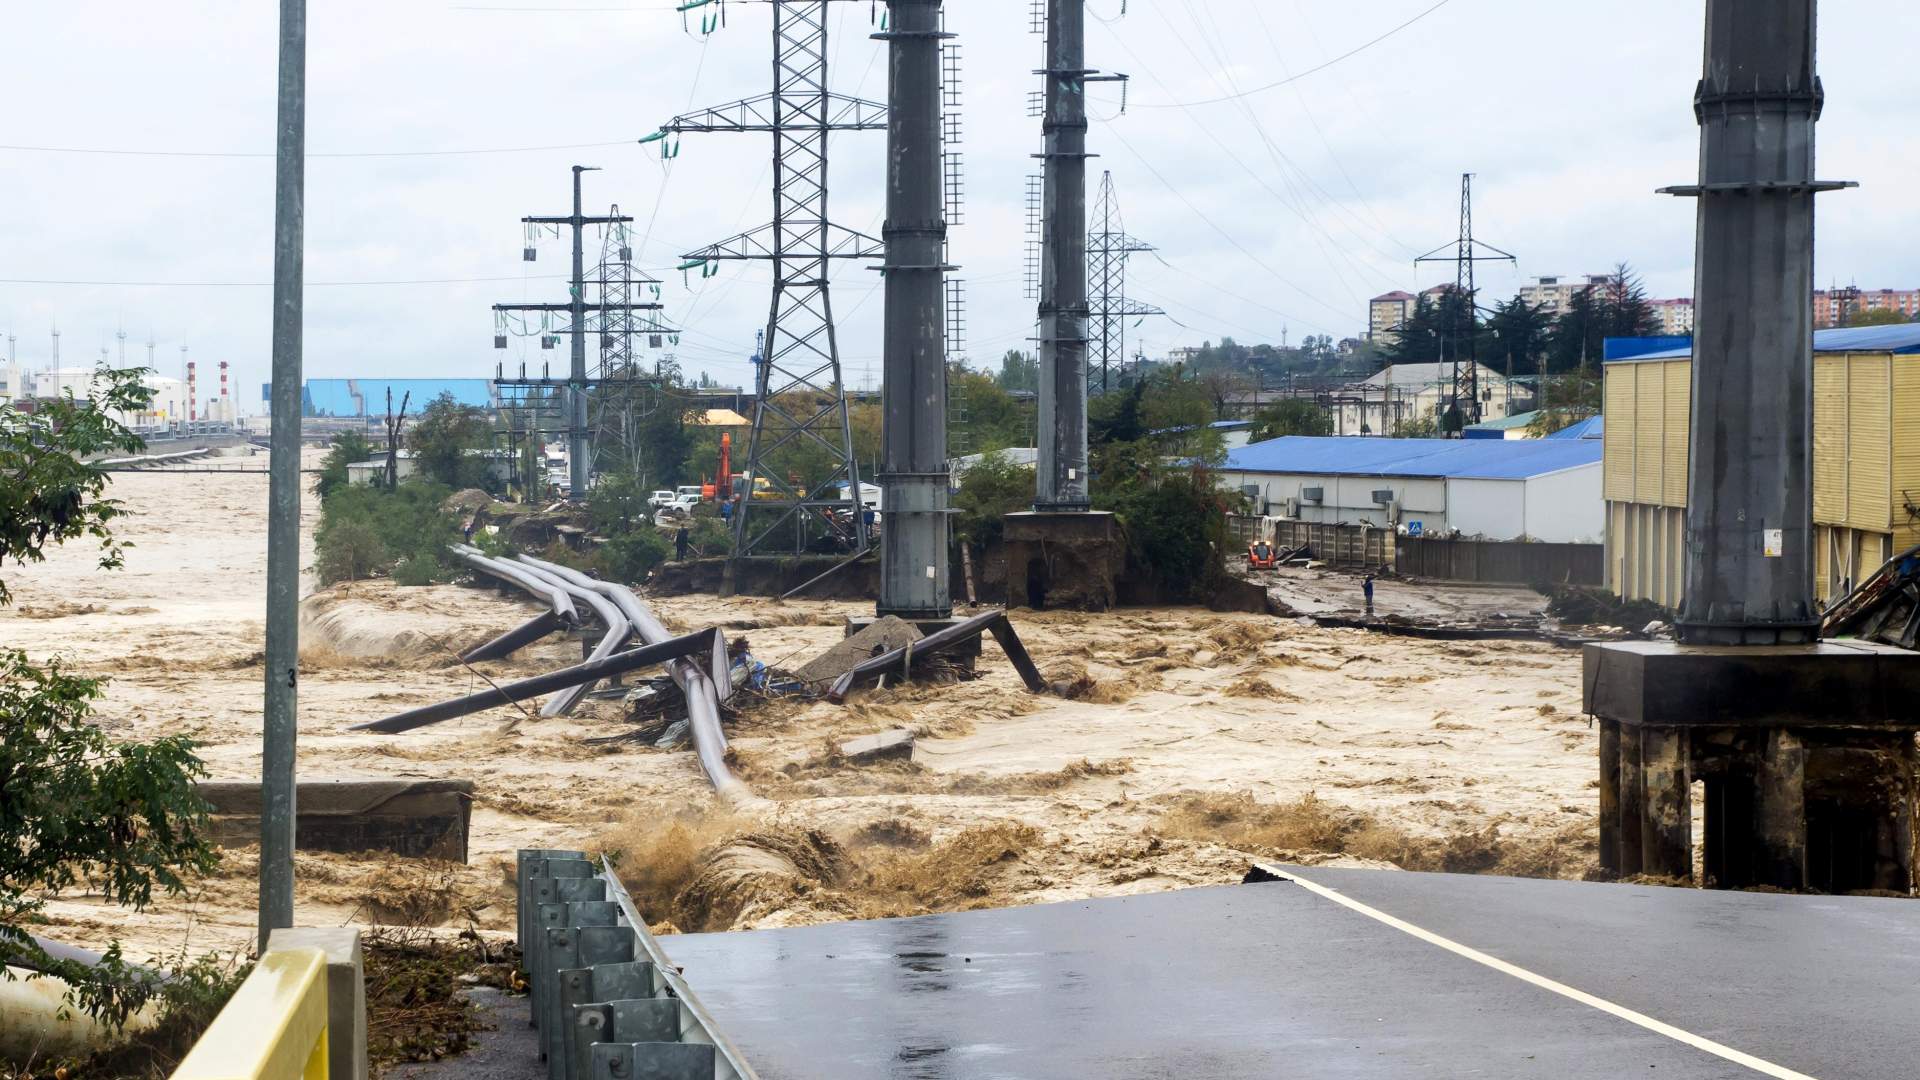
[[1262, 556]]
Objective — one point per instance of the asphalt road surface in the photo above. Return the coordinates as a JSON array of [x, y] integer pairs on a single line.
[[1438, 976]]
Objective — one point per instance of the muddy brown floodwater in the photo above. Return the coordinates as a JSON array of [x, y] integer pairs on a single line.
[[1193, 743]]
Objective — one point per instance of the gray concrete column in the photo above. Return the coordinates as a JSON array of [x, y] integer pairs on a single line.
[[1780, 813], [1610, 797], [1666, 825], [1633, 802]]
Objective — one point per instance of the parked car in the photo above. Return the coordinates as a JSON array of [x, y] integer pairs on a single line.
[[659, 499], [685, 501], [685, 490]]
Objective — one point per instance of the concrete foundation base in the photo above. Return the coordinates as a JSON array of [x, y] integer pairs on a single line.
[[1805, 756], [1063, 560]]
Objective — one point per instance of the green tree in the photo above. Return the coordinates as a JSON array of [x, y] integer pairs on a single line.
[[1877, 317], [990, 489], [441, 438], [1520, 335], [617, 503], [369, 531], [1019, 371], [48, 493], [994, 418], [121, 818], [1293, 416], [1617, 307], [349, 448]]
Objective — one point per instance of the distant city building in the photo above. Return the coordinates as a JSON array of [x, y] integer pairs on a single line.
[[1386, 313], [1408, 393], [1830, 304], [368, 397], [1676, 316], [1555, 294], [167, 403], [1187, 354]]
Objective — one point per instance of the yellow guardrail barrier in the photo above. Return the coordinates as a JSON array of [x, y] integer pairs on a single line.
[[274, 1028]]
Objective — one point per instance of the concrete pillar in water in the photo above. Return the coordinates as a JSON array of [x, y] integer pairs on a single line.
[[1780, 815], [1666, 826]]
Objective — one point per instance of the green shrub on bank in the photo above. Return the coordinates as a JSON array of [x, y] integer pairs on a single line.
[[630, 557], [366, 532]]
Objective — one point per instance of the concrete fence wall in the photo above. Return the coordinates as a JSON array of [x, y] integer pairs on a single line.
[[1339, 545], [1506, 562]]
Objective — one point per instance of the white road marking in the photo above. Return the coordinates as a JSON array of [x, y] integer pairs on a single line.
[[1765, 1068]]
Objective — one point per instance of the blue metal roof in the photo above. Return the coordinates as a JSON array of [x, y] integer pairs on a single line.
[[1898, 338], [1593, 427], [1626, 348], [368, 397], [1467, 459]]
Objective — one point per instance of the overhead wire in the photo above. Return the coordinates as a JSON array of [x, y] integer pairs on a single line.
[[1316, 69]]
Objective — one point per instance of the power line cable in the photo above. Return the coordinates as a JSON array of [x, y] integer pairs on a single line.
[[113, 152], [1350, 53]]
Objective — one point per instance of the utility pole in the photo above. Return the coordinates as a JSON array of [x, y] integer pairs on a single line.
[[800, 399], [1061, 476], [1107, 250], [1466, 252], [1749, 571], [280, 724], [577, 386], [914, 477]]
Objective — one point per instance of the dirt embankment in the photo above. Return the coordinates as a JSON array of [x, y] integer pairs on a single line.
[[1187, 743]]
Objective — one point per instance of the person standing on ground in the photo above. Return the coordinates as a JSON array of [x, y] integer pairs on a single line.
[[680, 543], [1366, 589]]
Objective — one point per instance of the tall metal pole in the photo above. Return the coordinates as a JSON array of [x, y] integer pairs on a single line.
[[280, 724], [579, 465], [1749, 575], [914, 570], [1061, 479]]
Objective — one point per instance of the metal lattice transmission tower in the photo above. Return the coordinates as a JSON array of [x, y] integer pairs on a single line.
[[1108, 246], [1461, 347], [626, 390], [800, 406], [573, 394]]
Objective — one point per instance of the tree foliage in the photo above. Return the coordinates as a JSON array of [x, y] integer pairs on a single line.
[[48, 493], [990, 489], [1877, 317], [80, 809], [441, 438], [370, 532], [349, 448], [1292, 416]]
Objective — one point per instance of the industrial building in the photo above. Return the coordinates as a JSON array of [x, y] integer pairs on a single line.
[[1866, 461], [1406, 393], [368, 397], [1495, 489]]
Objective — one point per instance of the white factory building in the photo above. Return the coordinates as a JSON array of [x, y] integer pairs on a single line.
[[1492, 489], [168, 406]]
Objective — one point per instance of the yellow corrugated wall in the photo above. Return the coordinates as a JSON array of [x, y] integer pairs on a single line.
[[1678, 376], [1650, 418], [1830, 439], [1869, 447], [1617, 467], [1906, 451]]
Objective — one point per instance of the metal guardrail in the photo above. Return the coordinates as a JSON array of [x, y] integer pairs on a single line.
[[605, 998], [274, 1027]]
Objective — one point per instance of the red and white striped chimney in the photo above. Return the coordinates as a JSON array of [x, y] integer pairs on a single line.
[[226, 403], [193, 397]]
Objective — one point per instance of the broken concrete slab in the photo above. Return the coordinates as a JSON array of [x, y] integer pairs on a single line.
[[884, 746], [422, 819], [883, 636]]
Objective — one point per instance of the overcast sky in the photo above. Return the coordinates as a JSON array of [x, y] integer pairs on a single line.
[[1276, 211]]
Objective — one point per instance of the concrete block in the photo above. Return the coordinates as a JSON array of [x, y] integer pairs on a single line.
[[425, 819], [880, 636], [1838, 684], [885, 746], [346, 994]]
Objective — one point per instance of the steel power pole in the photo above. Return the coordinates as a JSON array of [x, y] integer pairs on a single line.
[[1466, 252], [578, 386], [1749, 575], [1107, 250], [280, 724], [1061, 478], [800, 400], [914, 570]]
